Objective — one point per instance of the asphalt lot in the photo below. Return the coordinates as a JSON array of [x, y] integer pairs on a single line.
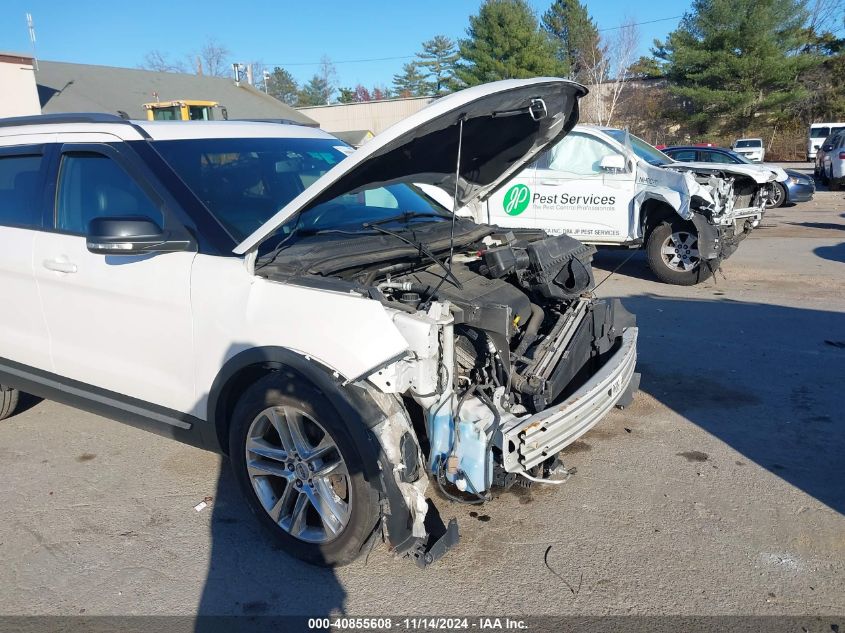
[[719, 491]]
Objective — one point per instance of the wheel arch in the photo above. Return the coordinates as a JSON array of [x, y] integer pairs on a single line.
[[352, 402], [247, 367], [652, 213]]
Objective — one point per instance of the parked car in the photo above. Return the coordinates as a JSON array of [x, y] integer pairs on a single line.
[[791, 187], [751, 148], [262, 290], [606, 187], [818, 133], [830, 161]]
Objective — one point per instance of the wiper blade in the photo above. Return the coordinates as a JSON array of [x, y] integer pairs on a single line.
[[419, 245], [404, 217]]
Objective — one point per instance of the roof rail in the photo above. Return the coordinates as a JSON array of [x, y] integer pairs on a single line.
[[72, 117], [63, 117]]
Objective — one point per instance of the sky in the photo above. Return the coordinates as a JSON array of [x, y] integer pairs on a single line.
[[294, 35]]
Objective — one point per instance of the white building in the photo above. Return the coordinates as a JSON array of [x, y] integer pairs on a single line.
[[18, 92]]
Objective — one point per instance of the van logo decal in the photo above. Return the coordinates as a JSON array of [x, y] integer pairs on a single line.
[[516, 199]]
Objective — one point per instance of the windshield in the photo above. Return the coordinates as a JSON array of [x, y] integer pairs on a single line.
[[648, 153], [243, 182], [749, 142]]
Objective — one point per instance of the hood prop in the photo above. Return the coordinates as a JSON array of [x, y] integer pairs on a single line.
[[454, 209]]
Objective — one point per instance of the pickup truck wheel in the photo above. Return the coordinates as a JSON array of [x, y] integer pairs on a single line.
[[778, 196], [672, 254], [8, 401], [298, 468]]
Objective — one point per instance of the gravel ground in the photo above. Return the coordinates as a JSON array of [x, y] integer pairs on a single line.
[[719, 491]]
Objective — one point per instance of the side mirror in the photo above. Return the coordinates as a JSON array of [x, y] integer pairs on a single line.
[[826, 148], [130, 235], [612, 162]]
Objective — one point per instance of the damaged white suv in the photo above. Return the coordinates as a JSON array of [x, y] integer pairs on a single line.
[[342, 350]]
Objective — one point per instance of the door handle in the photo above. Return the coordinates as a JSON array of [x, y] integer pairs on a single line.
[[60, 265], [554, 183]]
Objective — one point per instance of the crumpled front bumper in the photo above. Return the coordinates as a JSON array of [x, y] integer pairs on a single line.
[[526, 442]]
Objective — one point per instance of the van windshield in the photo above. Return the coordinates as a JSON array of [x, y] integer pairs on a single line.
[[825, 131]]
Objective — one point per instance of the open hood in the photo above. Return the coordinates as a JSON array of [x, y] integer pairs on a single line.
[[502, 126]]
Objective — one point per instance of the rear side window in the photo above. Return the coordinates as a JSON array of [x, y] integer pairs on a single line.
[[685, 155], [19, 191], [93, 186]]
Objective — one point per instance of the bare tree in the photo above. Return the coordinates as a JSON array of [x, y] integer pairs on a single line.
[[328, 75], [161, 62], [607, 68], [214, 58], [825, 15]]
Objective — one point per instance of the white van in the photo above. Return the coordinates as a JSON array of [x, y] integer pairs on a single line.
[[818, 133]]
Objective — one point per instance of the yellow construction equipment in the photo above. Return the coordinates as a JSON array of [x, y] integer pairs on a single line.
[[185, 110]]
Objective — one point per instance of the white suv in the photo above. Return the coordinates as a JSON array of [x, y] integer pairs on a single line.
[[262, 291]]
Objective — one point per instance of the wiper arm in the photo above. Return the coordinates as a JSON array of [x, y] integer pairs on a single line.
[[419, 245]]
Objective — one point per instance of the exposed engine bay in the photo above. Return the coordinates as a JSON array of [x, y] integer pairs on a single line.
[[510, 357]]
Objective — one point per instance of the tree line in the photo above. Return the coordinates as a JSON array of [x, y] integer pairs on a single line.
[[727, 64]]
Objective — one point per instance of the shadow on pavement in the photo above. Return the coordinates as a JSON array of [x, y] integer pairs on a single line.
[[251, 582], [834, 253], [765, 379]]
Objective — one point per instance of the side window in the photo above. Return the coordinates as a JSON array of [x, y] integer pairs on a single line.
[[19, 204], [688, 156], [716, 157], [577, 155], [92, 186]]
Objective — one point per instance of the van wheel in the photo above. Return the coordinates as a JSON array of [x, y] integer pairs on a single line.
[[673, 256], [834, 184], [300, 472], [8, 401]]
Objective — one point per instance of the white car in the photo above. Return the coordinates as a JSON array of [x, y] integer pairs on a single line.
[[607, 187], [261, 290], [751, 148]]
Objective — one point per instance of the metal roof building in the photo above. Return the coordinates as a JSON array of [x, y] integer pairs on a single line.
[[65, 87]]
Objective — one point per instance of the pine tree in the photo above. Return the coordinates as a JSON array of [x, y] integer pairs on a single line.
[[282, 85], [575, 35], [733, 59], [438, 60], [346, 95], [315, 92], [505, 42], [410, 83]]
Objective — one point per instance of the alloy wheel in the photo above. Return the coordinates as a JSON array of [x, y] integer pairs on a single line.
[[298, 474], [680, 251]]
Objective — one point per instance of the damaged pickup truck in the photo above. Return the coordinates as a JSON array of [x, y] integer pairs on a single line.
[[607, 187], [345, 339]]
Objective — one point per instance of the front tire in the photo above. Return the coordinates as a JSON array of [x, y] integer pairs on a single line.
[[673, 255], [298, 467], [9, 399], [780, 196]]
